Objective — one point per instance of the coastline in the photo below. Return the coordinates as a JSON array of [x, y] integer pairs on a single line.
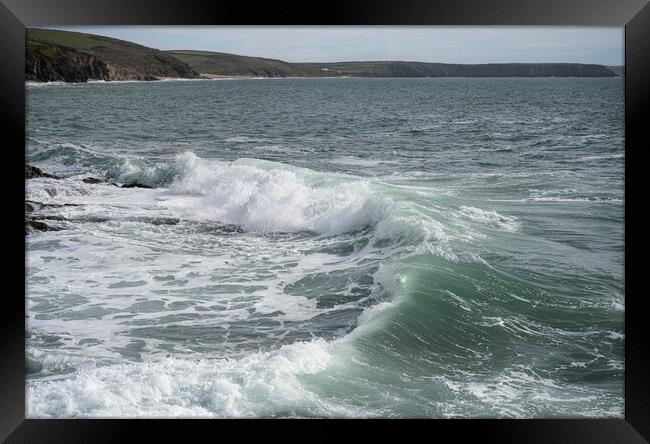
[[35, 83], [62, 56]]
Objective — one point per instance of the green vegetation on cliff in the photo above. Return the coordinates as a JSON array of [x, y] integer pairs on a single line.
[[75, 57], [222, 64]]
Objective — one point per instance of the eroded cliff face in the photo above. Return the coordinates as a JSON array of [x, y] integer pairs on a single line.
[[46, 62], [51, 63]]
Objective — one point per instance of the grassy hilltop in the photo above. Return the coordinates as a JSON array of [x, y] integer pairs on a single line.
[[222, 64]]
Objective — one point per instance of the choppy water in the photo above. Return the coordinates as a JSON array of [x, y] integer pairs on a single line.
[[403, 248]]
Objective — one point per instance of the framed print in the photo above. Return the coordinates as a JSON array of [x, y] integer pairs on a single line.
[[367, 217]]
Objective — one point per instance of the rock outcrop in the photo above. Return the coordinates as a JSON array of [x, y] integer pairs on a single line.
[[32, 220], [35, 218], [38, 215], [135, 185], [54, 63], [33, 173], [75, 57]]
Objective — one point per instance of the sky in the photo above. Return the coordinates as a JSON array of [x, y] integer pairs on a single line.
[[443, 44]]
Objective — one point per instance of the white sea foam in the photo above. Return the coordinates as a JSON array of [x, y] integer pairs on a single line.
[[566, 195], [270, 197], [570, 199], [260, 384], [491, 218], [52, 190], [41, 84], [57, 363], [81, 84], [505, 395]]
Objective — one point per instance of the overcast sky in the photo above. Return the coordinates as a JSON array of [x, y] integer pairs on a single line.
[[445, 44]]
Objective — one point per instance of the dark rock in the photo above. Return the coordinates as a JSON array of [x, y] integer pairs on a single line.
[[159, 220], [33, 221], [32, 225], [135, 185], [33, 173], [41, 204], [215, 227], [39, 225], [92, 180], [31, 206], [53, 217], [49, 63]]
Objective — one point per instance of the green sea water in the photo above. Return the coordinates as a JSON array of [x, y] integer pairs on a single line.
[[327, 248]]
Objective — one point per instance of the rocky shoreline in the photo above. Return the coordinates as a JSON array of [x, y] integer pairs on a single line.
[[38, 219], [34, 220]]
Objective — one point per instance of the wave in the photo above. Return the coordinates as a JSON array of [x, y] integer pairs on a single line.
[[80, 160], [491, 218], [263, 196], [261, 384], [433, 300], [407, 350], [259, 196]]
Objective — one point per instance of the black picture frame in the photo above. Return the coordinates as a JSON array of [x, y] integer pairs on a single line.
[[15, 15]]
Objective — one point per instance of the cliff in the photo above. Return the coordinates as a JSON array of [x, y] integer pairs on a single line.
[[419, 69], [221, 64], [617, 69], [76, 57]]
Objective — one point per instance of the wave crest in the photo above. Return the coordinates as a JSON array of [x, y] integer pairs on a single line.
[[264, 196]]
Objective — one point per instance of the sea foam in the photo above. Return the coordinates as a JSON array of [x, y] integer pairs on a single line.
[[263, 196], [260, 384]]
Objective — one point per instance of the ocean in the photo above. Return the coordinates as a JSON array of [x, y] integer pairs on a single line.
[[440, 248]]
